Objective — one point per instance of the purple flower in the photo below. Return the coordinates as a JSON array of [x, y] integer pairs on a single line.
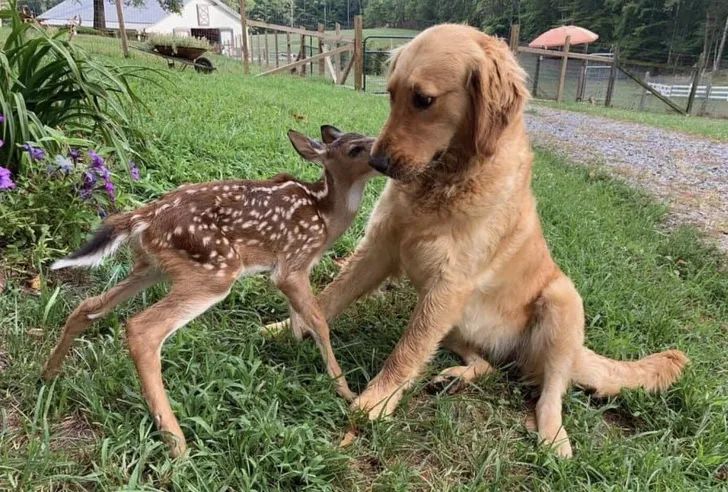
[[2, 142], [96, 160], [2, 118], [64, 164], [75, 155], [6, 182], [89, 181], [36, 153], [110, 190], [134, 171]]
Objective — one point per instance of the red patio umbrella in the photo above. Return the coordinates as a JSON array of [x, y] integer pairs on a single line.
[[557, 37]]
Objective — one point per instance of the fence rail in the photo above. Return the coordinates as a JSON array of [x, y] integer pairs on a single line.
[[718, 93], [303, 50]]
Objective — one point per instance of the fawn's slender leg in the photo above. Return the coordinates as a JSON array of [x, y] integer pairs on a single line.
[[94, 308], [297, 288], [373, 260], [147, 331]]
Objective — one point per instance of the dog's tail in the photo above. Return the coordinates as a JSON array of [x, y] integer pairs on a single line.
[[110, 235], [606, 376]]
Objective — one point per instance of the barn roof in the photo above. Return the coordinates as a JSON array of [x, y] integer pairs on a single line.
[[147, 14]]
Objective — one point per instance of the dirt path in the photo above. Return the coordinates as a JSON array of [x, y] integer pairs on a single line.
[[688, 172]]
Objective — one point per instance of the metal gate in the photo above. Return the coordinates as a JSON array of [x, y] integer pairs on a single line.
[[375, 73]]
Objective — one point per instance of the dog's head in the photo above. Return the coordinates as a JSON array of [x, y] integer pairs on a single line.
[[452, 88]]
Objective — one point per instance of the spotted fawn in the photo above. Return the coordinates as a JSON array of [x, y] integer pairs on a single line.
[[203, 237]]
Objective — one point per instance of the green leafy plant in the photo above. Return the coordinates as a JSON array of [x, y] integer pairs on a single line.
[[51, 90], [177, 42]]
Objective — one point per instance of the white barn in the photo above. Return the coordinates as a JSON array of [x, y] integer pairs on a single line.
[[211, 19]]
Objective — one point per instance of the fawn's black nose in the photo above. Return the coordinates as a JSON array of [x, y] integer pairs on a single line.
[[379, 162]]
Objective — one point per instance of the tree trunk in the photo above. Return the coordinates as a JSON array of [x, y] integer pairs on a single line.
[[99, 15]]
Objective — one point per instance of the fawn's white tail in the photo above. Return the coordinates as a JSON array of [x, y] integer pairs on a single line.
[[105, 241]]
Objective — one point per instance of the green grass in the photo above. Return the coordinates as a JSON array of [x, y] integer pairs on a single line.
[[262, 415], [716, 128]]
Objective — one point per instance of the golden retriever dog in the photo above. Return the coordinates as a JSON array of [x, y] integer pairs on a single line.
[[459, 219]]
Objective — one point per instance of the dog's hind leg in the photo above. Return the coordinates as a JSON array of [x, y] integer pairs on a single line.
[[474, 368], [555, 341]]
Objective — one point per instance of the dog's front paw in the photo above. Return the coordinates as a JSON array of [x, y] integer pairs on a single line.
[[377, 402], [275, 329]]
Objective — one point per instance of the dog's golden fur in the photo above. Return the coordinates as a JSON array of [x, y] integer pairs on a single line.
[[459, 219]]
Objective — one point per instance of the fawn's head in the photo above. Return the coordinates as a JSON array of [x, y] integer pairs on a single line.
[[344, 155]]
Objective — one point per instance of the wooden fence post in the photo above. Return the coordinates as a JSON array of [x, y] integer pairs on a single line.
[[534, 91], [244, 25], [267, 57], [643, 97], [581, 83], [612, 78], [310, 53], [321, 63], [515, 33], [288, 47], [358, 53], [302, 54], [562, 78], [337, 58], [276, 46], [696, 81], [122, 29]]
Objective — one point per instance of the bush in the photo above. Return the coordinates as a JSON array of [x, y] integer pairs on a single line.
[[60, 112], [53, 94]]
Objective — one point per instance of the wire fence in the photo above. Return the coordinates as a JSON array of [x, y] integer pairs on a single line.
[[588, 82]]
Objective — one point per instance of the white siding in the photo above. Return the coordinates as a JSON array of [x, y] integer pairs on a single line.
[[187, 19]]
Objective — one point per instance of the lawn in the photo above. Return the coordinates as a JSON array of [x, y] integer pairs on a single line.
[[715, 128], [260, 414]]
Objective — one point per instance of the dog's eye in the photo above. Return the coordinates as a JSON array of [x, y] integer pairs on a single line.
[[421, 101], [355, 151]]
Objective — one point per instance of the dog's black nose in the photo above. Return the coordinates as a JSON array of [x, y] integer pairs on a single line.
[[380, 163]]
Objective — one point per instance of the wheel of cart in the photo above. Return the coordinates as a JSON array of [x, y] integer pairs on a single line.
[[203, 65], [184, 56]]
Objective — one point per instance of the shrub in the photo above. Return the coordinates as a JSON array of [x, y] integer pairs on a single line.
[[52, 91], [60, 112]]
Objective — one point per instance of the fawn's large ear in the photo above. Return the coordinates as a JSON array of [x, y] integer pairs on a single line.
[[330, 133], [498, 94], [309, 149]]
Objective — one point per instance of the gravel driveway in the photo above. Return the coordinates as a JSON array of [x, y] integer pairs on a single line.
[[688, 172]]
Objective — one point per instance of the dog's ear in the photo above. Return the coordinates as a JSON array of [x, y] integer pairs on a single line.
[[498, 94], [393, 56]]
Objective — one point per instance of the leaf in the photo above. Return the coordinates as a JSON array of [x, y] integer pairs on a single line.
[[35, 332], [34, 284]]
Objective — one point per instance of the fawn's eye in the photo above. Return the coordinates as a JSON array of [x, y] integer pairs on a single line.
[[421, 101], [355, 151]]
